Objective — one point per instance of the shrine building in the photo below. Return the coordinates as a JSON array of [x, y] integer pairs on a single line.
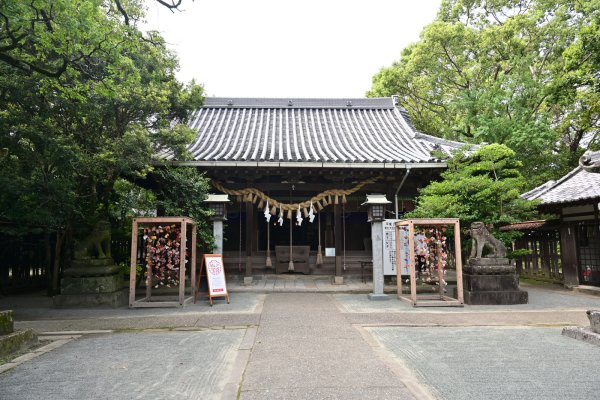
[[283, 162]]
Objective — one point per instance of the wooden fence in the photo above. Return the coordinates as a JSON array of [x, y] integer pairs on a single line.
[[25, 263], [544, 261]]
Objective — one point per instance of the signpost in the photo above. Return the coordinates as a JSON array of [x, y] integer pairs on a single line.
[[215, 276], [389, 248]]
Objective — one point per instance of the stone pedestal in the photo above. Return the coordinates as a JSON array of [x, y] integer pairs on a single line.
[[338, 280], [377, 246], [92, 282], [492, 281]]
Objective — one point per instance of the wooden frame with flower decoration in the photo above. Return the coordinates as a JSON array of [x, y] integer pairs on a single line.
[[177, 226], [430, 300]]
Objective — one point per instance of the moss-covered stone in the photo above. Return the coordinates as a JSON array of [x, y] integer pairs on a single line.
[[16, 341], [6, 322]]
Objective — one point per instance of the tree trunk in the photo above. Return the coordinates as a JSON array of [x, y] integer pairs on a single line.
[[60, 236]]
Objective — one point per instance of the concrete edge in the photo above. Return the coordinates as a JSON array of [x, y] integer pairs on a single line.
[[236, 377], [418, 389], [33, 354]]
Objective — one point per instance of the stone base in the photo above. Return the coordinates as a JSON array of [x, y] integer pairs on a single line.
[[582, 333], [89, 264], [248, 280], [502, 297], [489, 266], [373, 296], [338, 280], [113, 299], [492, 281], [91, 284], [484, 283]]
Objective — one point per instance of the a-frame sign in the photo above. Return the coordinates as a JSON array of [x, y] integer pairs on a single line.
[[215, 276]]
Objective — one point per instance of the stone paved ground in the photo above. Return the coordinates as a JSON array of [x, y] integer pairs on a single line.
[[305, 349], [539, 299], [135, 365], [496, 363], [309, 345]]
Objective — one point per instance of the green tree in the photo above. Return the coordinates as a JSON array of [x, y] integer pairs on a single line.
[[48, 37], [182, 191], [484, 185], [496, 72], [88, 101]]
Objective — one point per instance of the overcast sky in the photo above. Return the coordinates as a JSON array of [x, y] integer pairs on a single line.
[[289, 48]]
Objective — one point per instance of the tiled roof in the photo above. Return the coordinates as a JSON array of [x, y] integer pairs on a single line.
[[577, 185], [335, 132], [525, 225]]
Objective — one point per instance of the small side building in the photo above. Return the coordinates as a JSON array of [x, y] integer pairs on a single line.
[[575, 199]]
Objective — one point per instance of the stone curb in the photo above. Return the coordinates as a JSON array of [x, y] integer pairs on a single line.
[[35, 353], [582, 333]]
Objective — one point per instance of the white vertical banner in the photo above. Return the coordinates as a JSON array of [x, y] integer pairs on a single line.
[[389, 248]]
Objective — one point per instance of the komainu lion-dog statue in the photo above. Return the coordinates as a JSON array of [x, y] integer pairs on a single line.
[[96, 244], [481, 237]]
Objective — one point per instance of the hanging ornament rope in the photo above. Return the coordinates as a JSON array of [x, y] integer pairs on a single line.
[[321, 200]]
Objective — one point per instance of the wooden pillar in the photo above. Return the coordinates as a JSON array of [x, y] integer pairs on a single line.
[[328, 234], [249, 237], [337, 233], [568, 254]]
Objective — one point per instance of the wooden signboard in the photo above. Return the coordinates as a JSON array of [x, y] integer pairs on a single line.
[[215, 276]]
